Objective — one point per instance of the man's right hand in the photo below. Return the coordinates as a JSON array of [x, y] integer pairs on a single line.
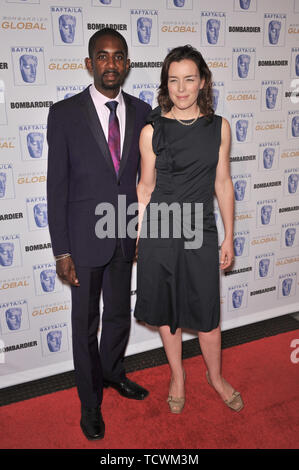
[[65, 269]]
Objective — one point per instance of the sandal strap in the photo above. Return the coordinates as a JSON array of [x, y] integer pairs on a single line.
[[178, 400]]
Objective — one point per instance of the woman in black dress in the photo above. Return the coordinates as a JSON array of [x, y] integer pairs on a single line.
[[184, 162]]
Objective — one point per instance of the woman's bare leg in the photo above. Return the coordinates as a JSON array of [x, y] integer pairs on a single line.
[[173, 348], [210, 345]]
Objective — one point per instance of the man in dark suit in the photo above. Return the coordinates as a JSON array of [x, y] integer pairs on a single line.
[[93, 140]]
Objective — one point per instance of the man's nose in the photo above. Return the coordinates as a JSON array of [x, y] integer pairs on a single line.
[[111, 62]]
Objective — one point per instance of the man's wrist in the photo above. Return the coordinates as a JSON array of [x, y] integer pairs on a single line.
[[64, 255]]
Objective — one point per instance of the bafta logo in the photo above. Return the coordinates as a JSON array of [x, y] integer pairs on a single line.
[[243, 63], [268, 157], [212, 31], [6, 253], [54, 340], [35, 143], [241, 130], [2, 184], [237, 297], [28, 66], [13, 318], [40, 215], [144, 28], [67, 28], [47, 280], [274, 31]]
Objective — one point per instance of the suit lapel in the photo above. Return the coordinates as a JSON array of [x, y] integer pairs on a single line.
[[95, 127], [97, 131], [129, 131]]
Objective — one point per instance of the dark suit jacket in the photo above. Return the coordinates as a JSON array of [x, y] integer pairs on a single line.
[[81, 175]]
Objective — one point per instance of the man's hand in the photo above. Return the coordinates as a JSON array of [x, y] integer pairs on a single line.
[[65, 269]]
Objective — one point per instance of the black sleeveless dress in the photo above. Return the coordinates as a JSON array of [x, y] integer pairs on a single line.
[[179, 286]]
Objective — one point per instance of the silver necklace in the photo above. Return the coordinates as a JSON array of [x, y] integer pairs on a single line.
[[186, 123]]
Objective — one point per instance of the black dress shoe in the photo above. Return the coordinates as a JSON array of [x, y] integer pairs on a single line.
[[128, 389], [92, 423]]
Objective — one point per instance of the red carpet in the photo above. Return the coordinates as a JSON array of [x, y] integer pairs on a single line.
[[261, 370]]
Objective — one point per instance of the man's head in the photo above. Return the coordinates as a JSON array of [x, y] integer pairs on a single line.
[[108, 61]]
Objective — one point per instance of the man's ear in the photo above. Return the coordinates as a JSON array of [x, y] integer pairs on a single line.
[[88, 64], [128, 64]]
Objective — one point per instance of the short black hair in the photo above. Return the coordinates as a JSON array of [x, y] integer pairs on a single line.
[[105, 32]]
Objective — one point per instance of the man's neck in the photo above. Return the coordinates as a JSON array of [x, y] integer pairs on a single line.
[[111, 94]]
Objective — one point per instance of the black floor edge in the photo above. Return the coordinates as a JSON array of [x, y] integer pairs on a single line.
[[152, 358]]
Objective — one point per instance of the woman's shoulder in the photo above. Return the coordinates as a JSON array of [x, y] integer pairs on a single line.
[[154, 115]]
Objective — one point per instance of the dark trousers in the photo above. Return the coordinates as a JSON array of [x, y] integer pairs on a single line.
[[93, 363]]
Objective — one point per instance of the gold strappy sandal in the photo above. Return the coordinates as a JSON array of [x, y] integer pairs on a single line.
[[235, 402], [176, 404]]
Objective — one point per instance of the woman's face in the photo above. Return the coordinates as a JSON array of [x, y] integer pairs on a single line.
[[184, 83]]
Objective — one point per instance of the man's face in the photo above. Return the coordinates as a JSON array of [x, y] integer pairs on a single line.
[[108, 65]]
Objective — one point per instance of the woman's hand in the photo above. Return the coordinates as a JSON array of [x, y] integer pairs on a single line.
[[226, 254]]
